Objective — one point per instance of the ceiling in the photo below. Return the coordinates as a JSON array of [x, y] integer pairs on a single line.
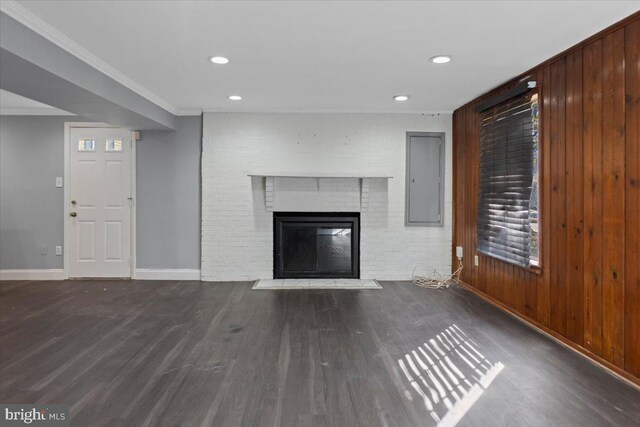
[[12, 104], [339, 56]]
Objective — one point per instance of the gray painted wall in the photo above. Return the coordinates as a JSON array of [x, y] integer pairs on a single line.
[[31, 207], [168, 193]]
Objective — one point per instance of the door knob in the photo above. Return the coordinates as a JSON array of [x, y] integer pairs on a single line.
[[413, 180], [73, 202], [73, 214]]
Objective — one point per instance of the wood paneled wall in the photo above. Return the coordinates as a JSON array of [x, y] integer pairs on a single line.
[[587, 292]]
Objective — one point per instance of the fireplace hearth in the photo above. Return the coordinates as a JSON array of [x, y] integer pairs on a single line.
[[316, 245]]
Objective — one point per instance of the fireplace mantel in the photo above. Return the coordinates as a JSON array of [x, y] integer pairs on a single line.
[[269, 187]]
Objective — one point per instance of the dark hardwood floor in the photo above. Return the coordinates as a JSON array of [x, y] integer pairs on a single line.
[[132, 353]]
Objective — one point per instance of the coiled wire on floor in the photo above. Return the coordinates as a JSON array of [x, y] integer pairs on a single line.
[[436, 280]]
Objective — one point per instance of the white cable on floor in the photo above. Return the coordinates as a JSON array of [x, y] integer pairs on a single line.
[[435, 280]]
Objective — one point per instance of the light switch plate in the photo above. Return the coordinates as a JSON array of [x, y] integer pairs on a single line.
[[476, 261], [58, 181], [459, 251], [43, 250], [58, 250]]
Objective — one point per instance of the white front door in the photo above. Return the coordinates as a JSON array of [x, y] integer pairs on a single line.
[[100, 202]]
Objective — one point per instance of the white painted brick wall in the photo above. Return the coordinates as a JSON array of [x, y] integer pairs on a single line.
[[237, 229]]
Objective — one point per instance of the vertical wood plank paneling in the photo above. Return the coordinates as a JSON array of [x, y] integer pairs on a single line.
[[543, 294], [494, 279], [592, 123], [463, 214], [507, 296], [531, 296], [613, 230], [632, 199], [589, 286], [500, 273], [552, 125], [457, 207], [520, 290], [467, 160], [454, 185], [475, 178], [557, 220], [485, 274], [499, 282], [489, 275], [482, 279], [560, 213], [574, 306], [461, 190]]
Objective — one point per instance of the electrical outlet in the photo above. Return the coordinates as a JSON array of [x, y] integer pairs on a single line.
[[59, 181], [459, 252], [476, 260], [43, 250], [58, 250]]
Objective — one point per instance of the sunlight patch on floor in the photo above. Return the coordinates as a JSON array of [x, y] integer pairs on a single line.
[[449, 374]]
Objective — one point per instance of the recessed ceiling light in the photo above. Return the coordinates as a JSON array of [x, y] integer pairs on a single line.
[[234, 97], [219, 60], [401, 97], [440, 59]]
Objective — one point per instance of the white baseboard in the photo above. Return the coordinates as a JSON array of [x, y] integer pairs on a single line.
[[38, 274], [166, 274]]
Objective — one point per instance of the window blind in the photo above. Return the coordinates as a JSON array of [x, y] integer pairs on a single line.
[[507, 150]]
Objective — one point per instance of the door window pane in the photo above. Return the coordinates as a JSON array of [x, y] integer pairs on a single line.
[[86, 144], [113, 145]]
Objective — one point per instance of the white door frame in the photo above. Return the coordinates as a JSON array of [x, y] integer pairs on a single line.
[[67, 218]]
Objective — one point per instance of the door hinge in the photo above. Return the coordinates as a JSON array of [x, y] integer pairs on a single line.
[[130, 262]]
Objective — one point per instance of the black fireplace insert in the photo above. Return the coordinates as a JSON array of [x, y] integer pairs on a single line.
[[316, 245]]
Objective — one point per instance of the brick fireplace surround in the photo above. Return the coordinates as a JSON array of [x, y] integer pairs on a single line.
[[341, 163]]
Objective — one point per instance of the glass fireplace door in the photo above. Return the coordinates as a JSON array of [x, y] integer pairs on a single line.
[[315, 245]]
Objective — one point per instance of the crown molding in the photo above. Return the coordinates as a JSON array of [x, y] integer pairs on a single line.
[[27, 111], [39, 26]]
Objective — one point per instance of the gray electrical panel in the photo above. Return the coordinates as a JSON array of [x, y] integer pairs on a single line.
[[424, 179]]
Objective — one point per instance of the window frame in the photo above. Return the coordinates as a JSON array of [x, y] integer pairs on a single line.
[[532, 268], [537, 269]]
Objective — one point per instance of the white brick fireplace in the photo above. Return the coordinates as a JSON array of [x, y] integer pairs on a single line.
[[254, 164]]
